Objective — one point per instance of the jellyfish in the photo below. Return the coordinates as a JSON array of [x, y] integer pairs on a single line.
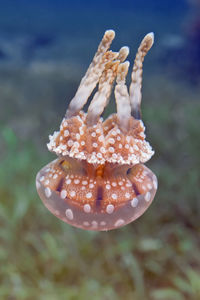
[[99, 181]]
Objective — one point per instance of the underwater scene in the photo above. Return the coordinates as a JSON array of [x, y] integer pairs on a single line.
[[153, 249]]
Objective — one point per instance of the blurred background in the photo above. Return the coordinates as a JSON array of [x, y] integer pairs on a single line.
[[45, 49]]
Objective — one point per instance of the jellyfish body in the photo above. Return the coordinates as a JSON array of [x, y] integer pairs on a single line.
[[99, 181]]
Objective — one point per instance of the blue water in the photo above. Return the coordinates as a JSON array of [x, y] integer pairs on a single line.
[[43, 24], [78, 17], [68, 32]]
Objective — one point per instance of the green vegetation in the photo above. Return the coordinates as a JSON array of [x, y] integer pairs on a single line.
[[157, 257]]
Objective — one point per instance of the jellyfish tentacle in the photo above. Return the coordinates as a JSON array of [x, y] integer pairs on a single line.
[[136, 76], [91, 78], [106, 80], [101, 97], [123, 53], [122, 96]]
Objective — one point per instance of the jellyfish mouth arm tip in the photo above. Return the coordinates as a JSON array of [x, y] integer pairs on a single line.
[[136, 76], [100, 99], [123, 53], [122, 96], [91, 78]]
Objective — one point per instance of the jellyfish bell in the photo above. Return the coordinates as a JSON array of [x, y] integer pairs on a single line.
[[96, 202], [99, 180]]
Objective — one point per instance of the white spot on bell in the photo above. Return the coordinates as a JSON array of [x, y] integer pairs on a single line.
[[127, 146], [147, 196], [114, 133], [108, 186], [85, 223], [155, 184], [87, 208], [101, 138], [69, 214], [63, 147], [89, 195], [103, 150], [110, 208], [102, 223], [41, 178], [63, 194], [111, 149], [134, 202], [72, 193], [119, 222], [38, 185], [70, 143], [66, 133], [111, 141], [99, 155], [127, 195], [128, 139], [94, 224], [98, 130], [47, 192]]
